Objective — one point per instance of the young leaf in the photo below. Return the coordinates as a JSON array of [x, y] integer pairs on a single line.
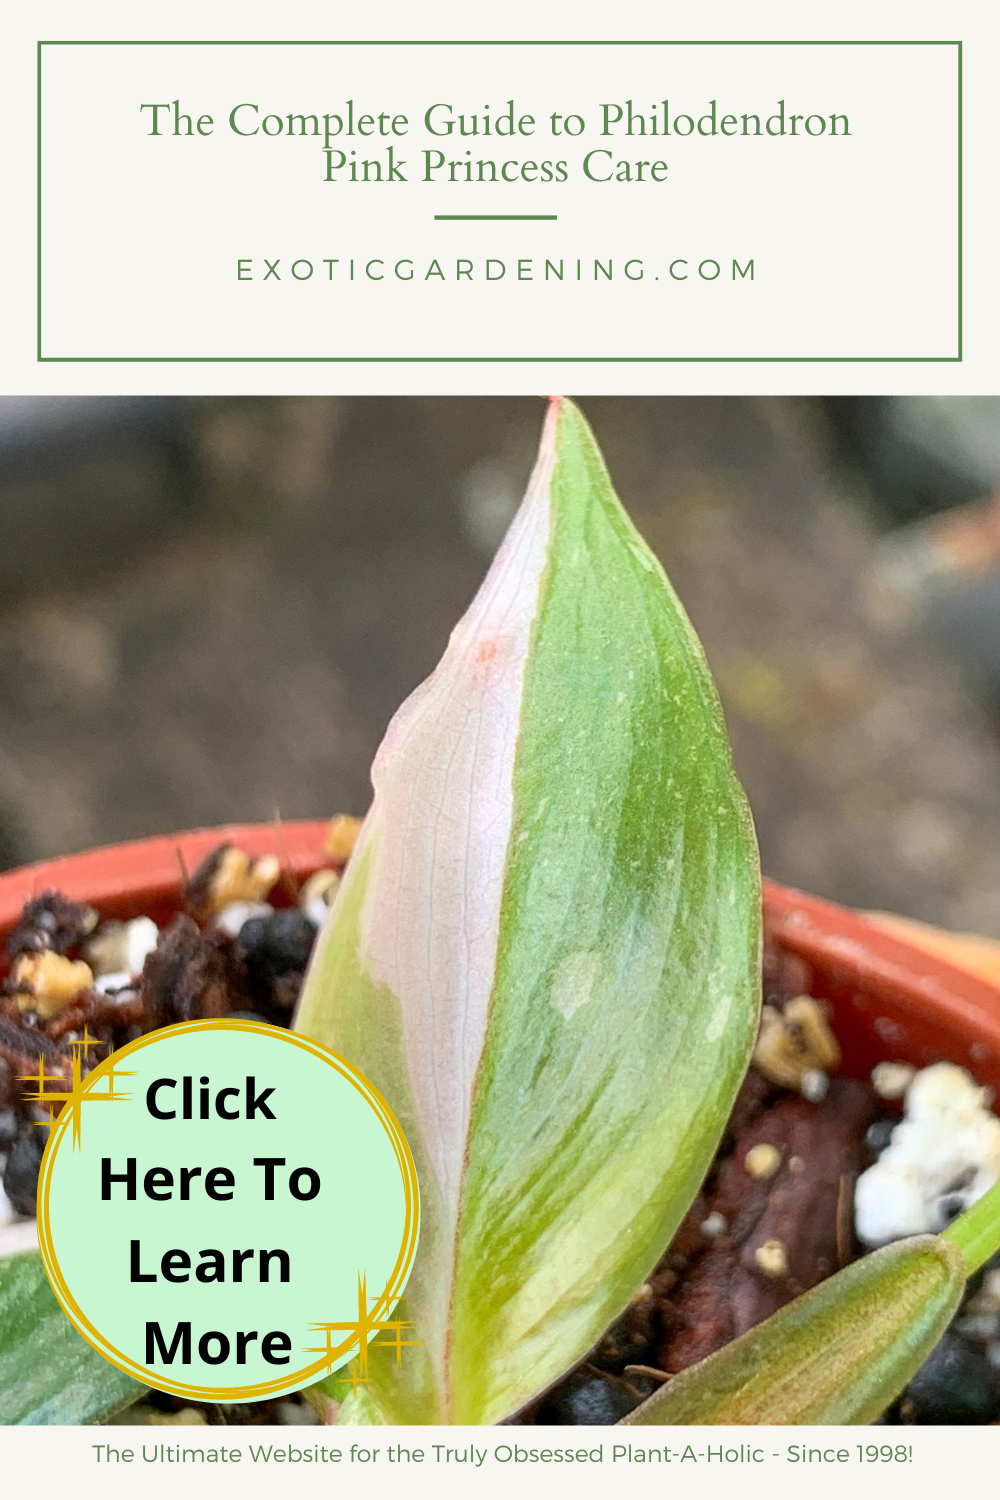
[[976, 1233], [839, 1354], [545, 950], [843, 1352], [48, 1374]]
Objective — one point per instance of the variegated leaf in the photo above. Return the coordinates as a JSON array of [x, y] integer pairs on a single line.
[[48, 1374], [545, 950]]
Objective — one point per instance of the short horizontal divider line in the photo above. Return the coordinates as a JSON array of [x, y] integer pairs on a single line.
[[495, 217]]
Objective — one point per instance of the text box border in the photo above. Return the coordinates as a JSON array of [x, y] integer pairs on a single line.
[[516, 359]]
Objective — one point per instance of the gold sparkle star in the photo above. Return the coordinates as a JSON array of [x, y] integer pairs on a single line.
[[360, 1331], [79, 1092]]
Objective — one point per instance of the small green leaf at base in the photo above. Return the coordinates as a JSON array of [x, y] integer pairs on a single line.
[[49, 1375], [838, 1355], [977, 1232]]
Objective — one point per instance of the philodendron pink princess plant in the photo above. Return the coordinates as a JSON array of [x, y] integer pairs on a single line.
[[545, 954]]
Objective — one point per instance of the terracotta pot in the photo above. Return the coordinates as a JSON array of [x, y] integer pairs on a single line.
[[145, 877], [891, 997]]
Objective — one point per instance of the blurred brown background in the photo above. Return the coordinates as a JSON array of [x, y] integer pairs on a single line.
[[209, 610]]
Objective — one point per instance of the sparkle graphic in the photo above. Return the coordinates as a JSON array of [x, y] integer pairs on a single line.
[[79, 1092], [359, 1332], [354, 1376]]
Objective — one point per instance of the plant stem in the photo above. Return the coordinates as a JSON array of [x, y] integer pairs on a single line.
[[977, 1232]]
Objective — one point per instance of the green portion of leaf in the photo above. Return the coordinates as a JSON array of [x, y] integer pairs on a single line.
[[49, 1375], [360, 1410], [976, 1233], [626, 992], [840, 1354], [593, 1076]]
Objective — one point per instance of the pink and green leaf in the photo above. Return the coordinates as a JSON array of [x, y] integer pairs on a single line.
[[545, 950]]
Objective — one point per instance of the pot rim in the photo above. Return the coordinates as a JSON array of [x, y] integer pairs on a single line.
[[905, 993], [122, 879], [879, 969]]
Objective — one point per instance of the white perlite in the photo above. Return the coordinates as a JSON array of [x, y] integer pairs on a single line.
[[942, 1157], [17, 1237], [233, 917], [122, 947]]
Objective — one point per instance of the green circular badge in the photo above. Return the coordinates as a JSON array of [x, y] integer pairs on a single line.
[[228, 1211]]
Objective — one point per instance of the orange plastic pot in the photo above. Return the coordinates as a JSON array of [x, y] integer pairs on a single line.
[[145, 878], [891, 998]]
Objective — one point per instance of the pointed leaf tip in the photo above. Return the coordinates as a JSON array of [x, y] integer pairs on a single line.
[[838, 1355], [545, 950]]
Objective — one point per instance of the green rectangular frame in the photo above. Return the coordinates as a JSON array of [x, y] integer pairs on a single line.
[[505, 359]]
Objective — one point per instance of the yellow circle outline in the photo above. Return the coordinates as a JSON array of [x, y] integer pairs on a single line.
[[394, 1285]]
